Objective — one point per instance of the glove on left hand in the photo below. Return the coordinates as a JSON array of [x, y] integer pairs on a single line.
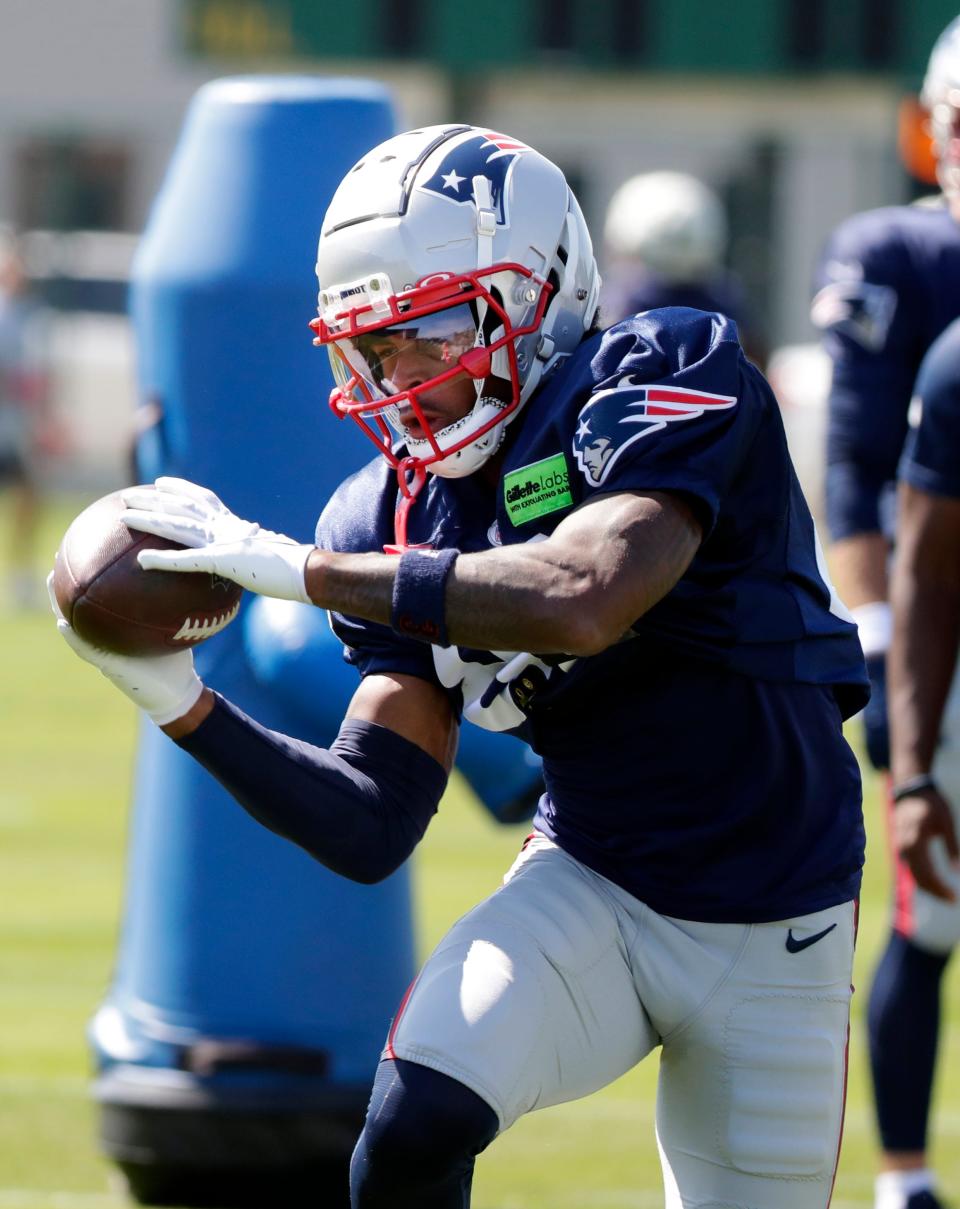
[[163, 686]]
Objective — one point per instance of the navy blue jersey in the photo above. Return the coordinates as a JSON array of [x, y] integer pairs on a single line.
[[700, 762], [931, 456], [889, 283]]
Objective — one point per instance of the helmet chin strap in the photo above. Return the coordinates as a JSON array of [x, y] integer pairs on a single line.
[[410, 480]]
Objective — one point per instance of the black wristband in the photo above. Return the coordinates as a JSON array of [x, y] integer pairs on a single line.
[[419, 591], [913, 785]]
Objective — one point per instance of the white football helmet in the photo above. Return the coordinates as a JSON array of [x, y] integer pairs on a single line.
[[940, 95], [458, 249], [673, 223]]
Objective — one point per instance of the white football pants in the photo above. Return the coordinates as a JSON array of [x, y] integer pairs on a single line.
[[561, 981]]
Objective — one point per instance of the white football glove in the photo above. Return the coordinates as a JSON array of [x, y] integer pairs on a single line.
[[163, 686], [220, 543]]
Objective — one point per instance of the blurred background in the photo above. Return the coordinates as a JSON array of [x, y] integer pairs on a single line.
[[794, 113], [787, 109]]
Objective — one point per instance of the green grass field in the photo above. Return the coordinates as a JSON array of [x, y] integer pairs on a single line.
[[66, 745]]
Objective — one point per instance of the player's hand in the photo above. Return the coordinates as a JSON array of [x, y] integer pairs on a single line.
[[919, 819], [220, 543], [163, 686], [876, 727]]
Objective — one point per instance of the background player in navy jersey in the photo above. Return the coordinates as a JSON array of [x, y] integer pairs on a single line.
[[890, 284], [925, 595], [599, 545]]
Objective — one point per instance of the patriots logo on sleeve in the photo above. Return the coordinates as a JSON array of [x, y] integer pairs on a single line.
[[856, 308], [614, 419], [490, 155]]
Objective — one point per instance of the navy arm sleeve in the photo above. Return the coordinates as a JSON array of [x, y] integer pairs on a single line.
[[360, 808]]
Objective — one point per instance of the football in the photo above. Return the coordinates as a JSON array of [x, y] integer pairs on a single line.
[[114, 604]]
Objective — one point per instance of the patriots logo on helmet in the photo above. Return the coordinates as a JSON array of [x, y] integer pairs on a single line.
[[612, 420], [489, 155]]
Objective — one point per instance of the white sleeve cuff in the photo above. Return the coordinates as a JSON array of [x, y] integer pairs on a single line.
[[875, 625], [298, 565], [187, 700]]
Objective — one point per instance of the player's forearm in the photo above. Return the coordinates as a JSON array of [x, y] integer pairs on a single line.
[[525, 598], [360, 585], [505, 599], [920, 664], [579, 592], [858, 567], [575, 593]]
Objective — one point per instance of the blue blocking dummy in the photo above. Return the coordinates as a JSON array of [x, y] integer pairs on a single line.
[[253, 989], [291, 649]]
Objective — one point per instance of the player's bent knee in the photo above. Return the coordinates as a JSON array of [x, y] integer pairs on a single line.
[[422, 1133]]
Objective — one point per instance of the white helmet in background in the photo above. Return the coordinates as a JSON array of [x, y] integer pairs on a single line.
[[941, 96], [471, 244], [671, 222]]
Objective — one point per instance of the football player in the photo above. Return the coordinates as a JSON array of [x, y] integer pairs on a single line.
[[594, 541], [666, 237], [925, 596], [890, 284]]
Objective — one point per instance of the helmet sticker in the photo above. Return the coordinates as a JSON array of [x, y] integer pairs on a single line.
[[489, 155]]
